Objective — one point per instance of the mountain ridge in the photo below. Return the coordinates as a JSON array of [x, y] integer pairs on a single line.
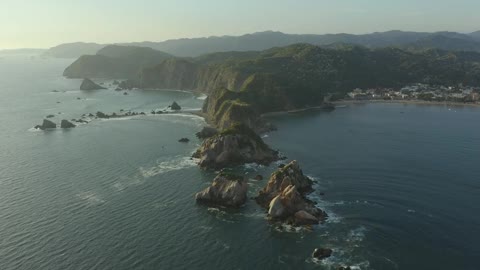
[[192, 47]]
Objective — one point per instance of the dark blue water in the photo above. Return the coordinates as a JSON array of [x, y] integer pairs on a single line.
[[401, 184]]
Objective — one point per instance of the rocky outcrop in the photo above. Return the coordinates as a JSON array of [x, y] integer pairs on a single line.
[[234, 146], [206, 133], [287, 175], [175, 106], [322, 253], [223, 107], [67, 124], [47, 124], [184, 140], [226, 190], [285, 197], [102, 115], [88, 84]]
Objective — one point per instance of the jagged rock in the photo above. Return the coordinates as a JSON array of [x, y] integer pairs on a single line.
[[46, 125], [184, 140], [88, 84], [125, 93], [344, 268], [50, 116], [286, 175], [258, 177], [234, 146], [118, 89], [206, 132], [302, 217], [285, 197], [66, 124], [102, 115], [115, 82], [226, 190], [142, 113], [175, 106], [322, 253], [126, 85]]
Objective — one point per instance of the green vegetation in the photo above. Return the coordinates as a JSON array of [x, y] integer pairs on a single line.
[[115, 62], [242, 129]]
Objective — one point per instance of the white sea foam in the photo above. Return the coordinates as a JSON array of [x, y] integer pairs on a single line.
[[117, 119], [357, 235], [202, 97], [174, 164], [253, 166], [220, 214], [91, 198], [320, 203]]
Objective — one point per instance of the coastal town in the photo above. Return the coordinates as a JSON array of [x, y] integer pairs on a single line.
[[420, 92]]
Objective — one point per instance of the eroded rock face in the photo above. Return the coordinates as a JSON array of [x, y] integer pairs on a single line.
[[67, 124], [286, 175], [47, 124], [175, 106], [226, 190], [88, 84], [235, 146], [206, 133], [285, 197]]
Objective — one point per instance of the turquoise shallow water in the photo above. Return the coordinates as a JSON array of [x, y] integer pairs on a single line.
[[401, 184]]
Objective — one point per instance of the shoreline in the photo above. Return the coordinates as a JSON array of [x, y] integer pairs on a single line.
[[412, 102]]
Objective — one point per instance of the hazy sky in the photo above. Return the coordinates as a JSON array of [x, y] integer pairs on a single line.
[[45, 23]]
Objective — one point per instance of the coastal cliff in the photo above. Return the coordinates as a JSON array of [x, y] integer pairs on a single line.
[[115, 61], [234, 146]]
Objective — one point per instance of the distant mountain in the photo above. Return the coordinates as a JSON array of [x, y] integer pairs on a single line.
[[475, 35], [115, 61], [455, 42], [265, 40], [73, 50]]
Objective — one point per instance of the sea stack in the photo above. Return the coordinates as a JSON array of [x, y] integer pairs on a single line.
[[234, 146], [67, 124], [88, 84], [226, 190], [47, 124], [285, 197], [175, 106]]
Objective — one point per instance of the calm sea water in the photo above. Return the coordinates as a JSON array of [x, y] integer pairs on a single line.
[[401, 184]]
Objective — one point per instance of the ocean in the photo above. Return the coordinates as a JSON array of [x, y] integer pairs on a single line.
[[400, 183]]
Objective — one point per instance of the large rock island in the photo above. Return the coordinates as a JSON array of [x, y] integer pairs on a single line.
[[226, 190], [236, 145], [285, 197]]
